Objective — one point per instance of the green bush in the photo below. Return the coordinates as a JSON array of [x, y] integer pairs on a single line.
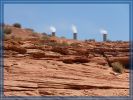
[[7, 30], [117, 67], [17, 25]]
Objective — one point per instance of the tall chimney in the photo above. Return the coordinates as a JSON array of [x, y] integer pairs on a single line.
[[104, 37], [53, 33], [53, 30], [75, 36]]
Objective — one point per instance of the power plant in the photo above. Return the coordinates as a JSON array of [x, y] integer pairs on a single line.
[[74, 30]]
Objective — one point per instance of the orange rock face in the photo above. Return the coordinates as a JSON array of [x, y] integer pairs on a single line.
[[55, 69]]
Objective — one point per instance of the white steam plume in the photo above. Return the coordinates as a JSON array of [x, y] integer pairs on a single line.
[[74, 29], [52, 28], [103, 31]]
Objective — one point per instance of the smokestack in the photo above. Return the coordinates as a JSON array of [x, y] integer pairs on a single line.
[[104, 33], [74, 29], [75, 36], [53, 33], [53, 30], [104, 37]]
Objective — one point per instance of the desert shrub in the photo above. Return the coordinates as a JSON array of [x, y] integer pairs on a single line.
[[17, 25], [117, 67], [44, 34], [15, 38], [18, 39], [52, 43], [35, 34], [38, 44], [49, 35], [6, 37], [63, 44], [45, 38], [61, 50], [74, 44], [7, 30], [108, 40], [41, 40], [90, 40]]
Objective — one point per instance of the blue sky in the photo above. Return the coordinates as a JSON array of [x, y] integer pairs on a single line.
[[88, 18]]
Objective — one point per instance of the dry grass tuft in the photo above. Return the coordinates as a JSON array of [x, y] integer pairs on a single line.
[[118, 67]]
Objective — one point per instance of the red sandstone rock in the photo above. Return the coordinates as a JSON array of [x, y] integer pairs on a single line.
[[99, 60], [81, 70], [61, 50], [15, 48], [76, 60], [123, 60], [38, 55]]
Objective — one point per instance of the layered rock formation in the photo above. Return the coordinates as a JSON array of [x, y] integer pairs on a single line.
[[36, 67]]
